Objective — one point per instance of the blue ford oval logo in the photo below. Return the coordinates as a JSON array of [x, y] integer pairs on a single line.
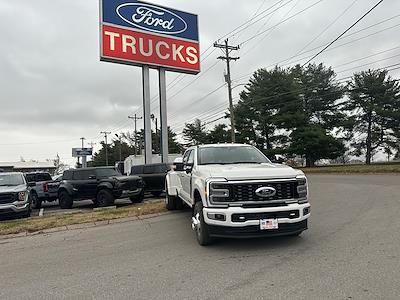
[[151, 18], [265, 192]]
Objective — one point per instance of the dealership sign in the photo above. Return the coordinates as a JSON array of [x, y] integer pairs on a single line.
[[79, 152], [139, 33]]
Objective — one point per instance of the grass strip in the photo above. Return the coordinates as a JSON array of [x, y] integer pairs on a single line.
[[37, 224], [355, 169]]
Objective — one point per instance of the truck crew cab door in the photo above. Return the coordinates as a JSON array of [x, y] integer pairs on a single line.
[[186, 177]]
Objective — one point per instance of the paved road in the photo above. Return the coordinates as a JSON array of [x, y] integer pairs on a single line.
[[351, 251]]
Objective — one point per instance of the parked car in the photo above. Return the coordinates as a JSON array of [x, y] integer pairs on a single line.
[[43, 188], [102, 185], [153, 175], [14, 195], [235, 191]]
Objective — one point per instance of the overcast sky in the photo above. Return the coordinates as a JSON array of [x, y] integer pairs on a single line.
[[55, 90]]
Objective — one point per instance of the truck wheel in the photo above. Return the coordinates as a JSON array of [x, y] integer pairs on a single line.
[[36, 201], [199, 226], [138, 198], [65, 200], [104, 198]]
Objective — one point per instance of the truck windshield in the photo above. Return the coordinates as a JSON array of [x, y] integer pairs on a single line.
[[107, 172], [11, 179], [230, 155]]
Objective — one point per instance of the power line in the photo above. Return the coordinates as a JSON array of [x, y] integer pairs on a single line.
[[333, 48], [326, 28], [281, 22], [344, 32]]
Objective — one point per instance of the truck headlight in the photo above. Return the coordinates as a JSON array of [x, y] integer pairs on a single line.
[[219, 191], [302, 188], [22, 196]]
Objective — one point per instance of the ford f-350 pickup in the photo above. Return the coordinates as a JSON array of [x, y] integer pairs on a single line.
[[235, 191]]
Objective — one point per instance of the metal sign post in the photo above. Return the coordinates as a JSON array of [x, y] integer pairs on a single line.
[[163, 115], [146, 115], [144, 34]]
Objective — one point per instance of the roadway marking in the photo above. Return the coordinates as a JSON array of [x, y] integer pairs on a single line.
[[41, 211]]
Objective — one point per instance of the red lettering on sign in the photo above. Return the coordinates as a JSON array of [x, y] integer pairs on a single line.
[[143, 48]]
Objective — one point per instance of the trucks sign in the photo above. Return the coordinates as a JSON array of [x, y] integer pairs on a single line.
[[139, 33]]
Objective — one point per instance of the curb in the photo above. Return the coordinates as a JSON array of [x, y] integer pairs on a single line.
[[82, 226]]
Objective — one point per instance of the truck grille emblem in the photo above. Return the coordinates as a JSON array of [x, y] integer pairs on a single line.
[[265, 192]]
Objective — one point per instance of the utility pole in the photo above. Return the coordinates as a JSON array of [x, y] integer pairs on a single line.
[[105, 137], [227, 50], [120, 146], [155, 120], [84, 161], [135, 118], [91, 146]]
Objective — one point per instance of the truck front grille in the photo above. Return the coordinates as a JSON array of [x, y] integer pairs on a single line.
[[247, 191], [7, 198]]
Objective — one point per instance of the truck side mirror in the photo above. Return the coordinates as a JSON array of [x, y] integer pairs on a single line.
[[188, 168], [178, 167]]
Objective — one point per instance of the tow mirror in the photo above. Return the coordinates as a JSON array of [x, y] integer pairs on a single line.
[[188, 168]]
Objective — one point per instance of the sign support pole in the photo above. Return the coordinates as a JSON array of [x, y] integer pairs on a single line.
[[163, 115], [146, 115]]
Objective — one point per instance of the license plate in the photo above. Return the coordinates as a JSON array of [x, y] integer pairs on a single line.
[[268, 224]]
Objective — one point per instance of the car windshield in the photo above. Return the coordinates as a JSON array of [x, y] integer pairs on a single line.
[[11, 179], [230, 155], [107, 172]]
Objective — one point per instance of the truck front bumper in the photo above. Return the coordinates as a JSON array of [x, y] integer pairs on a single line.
[[238, 222], [14, 208]]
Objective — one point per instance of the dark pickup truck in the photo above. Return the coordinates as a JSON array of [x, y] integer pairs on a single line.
[[43, 188], [153, 176], [102, 185]]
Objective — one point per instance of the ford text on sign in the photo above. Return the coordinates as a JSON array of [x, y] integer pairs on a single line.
[[139, 33]]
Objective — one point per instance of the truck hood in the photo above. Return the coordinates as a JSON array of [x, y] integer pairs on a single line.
[[249, 171], [13, 189]]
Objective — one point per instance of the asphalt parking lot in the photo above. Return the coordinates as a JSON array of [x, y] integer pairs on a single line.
[[351, 251]]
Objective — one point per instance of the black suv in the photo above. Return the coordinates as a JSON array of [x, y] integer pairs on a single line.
[[153, 176], [102, 185]]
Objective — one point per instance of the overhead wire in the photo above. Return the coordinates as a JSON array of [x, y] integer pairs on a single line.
[[344, 32]]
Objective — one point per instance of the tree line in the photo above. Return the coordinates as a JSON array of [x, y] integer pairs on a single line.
[[296, 112], [306, 112]]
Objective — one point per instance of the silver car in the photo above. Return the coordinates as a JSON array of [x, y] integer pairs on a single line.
[[14, 195]]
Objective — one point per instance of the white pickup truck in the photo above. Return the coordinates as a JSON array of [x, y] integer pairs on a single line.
[[235, 191]]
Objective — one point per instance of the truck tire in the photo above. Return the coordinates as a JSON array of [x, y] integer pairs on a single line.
[[65, 200], [36, 201], [201, 228], [138, 198], [104, 198]]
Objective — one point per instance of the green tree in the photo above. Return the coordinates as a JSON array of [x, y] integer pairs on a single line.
[[282, 104], [374, 102], [99, 158], [220, 134], [194, 134]]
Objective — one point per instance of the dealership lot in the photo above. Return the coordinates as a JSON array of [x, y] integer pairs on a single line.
[[349, 252]]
